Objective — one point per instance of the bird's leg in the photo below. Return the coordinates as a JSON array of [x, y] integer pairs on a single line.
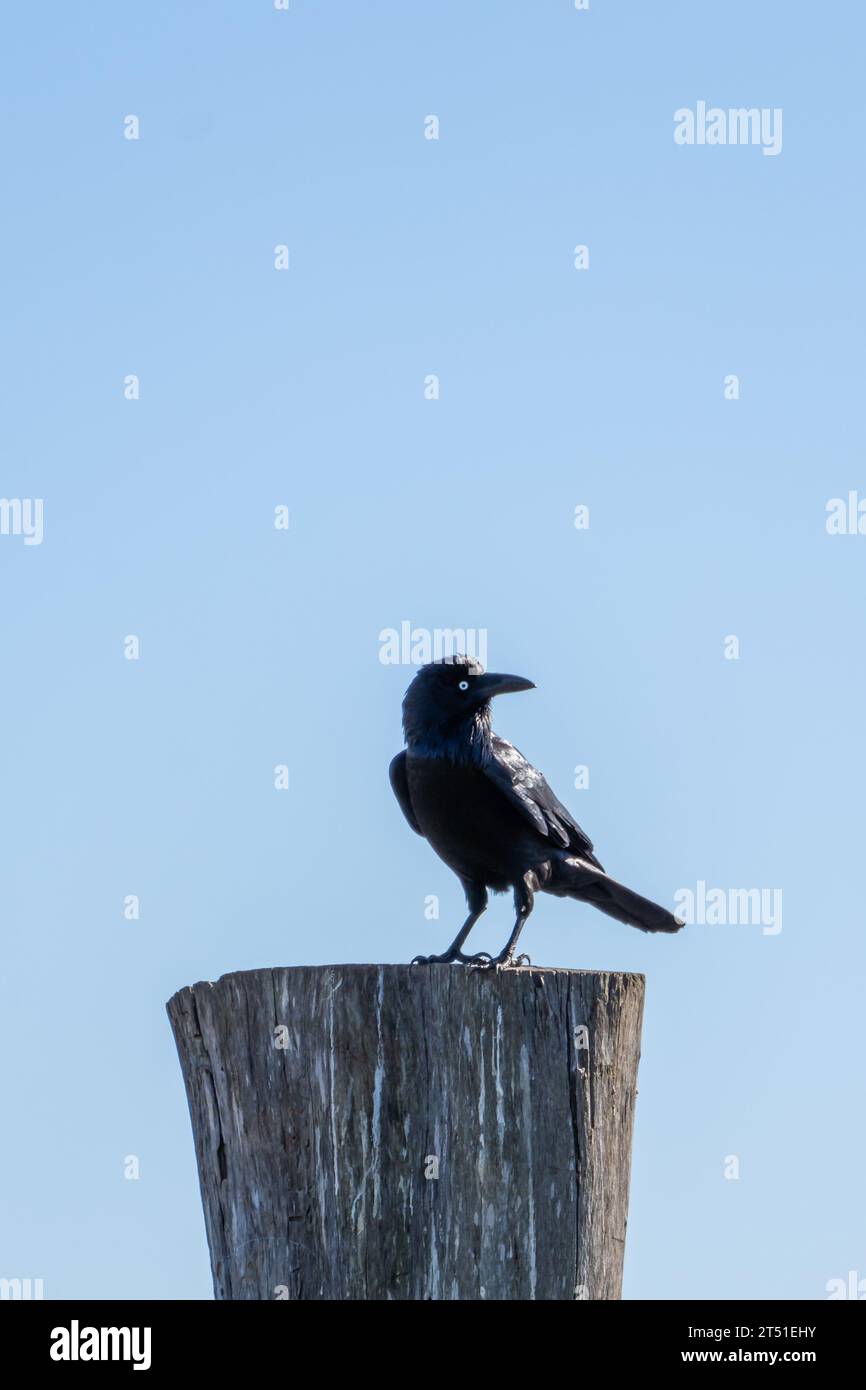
[[476, 898], [524, 899]]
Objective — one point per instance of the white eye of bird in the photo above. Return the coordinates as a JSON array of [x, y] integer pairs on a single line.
[[463, 685]]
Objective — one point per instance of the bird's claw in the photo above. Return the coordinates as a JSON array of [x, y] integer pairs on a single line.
[[504, 961], [482, 961], [451, 956]]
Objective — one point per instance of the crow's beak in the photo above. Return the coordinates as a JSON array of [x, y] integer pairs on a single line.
[[493, 684]]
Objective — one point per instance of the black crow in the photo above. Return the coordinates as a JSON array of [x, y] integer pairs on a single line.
[[490, 814]]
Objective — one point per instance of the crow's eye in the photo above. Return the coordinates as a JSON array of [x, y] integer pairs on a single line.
[[463, 685]]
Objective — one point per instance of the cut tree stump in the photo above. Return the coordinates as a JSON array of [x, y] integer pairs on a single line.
[[413, 1132]]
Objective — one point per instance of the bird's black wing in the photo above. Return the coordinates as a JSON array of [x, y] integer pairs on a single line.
[[527, 790], [400, 786]]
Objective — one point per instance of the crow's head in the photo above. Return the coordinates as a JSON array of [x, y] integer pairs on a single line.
[[453, 693]]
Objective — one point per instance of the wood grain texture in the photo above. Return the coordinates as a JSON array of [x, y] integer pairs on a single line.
[[324, 1098]]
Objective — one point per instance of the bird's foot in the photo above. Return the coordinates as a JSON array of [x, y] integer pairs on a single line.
[[482, 961], [506, 960], [451, 957]]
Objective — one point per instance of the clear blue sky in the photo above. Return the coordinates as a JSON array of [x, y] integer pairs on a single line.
[[558, 387]]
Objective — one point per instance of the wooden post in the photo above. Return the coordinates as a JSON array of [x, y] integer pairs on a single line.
[[413, 1132]]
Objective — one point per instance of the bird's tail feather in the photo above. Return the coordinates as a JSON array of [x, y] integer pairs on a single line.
[[575, 878]]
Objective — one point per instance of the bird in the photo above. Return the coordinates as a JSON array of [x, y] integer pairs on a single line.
[[490, 815]]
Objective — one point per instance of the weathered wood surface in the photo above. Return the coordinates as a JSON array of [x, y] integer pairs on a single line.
[[325, 1098]]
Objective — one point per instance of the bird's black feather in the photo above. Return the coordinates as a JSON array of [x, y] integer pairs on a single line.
[[400, 788], [528, 790]]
